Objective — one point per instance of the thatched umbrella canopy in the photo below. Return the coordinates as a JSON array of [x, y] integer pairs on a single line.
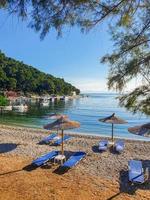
[[112, 119], [56, 116], [143, 130], [62, 124]]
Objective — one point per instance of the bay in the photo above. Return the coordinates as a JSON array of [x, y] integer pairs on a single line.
[[86, 110]]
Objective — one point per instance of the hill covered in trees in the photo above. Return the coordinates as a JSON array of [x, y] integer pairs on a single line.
[[17, 76]]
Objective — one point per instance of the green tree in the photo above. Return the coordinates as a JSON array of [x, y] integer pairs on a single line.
[[129, 24], [3, 3], [11, 83], [15, 75], [3, 79], [130, 58], [3, 101]]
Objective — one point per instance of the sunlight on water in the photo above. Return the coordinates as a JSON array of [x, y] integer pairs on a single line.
[[85, 110]]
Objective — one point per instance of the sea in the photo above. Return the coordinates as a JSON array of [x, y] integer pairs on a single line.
[[87, 110]]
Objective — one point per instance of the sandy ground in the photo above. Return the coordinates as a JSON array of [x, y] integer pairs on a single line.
[[98, 176]]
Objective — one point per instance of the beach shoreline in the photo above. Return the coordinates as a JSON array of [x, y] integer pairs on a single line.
[[75, 134], [97, 176]]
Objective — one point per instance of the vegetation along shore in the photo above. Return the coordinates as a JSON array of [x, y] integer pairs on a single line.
[[17, 76]]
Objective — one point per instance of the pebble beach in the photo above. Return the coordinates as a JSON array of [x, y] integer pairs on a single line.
[[100, 175]]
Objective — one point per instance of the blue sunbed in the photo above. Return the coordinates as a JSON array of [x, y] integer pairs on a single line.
[[136, 171], [65, 138], [119, 146], [44, 158], [74, 159], [48, 138], [103, 145]]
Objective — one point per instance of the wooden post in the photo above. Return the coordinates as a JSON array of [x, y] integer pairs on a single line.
[[112, 136], [62, 146]]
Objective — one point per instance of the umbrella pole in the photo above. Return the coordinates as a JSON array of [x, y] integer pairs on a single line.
[[62, 146], [112, 136]]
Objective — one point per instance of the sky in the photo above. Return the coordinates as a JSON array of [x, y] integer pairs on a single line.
[[74, 57]]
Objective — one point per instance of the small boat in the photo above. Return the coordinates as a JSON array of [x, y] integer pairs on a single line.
[[55, 99], [52, 99], [62, 98], [45, 102], [66, 98], [7, 108], [33, 100], [20, 108]]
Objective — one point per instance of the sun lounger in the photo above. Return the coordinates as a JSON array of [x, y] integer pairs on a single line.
[[44, 158], [49, 138], [136, 171], [103, 145], [74, 159], [59, 141], [119, 146]]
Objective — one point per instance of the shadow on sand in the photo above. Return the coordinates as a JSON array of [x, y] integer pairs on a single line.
[[6, 147], [43, 143], [113, 150], [95, 149], [48, 143], [62, 170], [10, 172], [128, 187], [29, 168], [48, 165], [26, 168]]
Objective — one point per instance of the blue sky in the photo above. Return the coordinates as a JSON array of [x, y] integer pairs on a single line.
[[75, 56]]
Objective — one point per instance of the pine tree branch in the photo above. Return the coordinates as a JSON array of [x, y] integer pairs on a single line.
[[95, 22]]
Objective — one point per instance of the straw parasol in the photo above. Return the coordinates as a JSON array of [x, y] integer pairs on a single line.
[[143, 130], [113, 120], [62, 124], [56, 116]]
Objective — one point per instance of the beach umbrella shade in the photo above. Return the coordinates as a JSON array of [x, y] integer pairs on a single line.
[[62, 124], [56, 116], [112, 119], [143, 130]]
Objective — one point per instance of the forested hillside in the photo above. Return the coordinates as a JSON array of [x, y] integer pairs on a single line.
[[17, 76]]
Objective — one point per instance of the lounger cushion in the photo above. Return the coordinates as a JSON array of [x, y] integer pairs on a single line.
[[74, 159], [49, 138], [103, 145], [65, 138], [44, 158], [119, 145], [136, 171]]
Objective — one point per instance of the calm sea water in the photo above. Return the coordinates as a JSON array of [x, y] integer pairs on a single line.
[[85, 110]]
